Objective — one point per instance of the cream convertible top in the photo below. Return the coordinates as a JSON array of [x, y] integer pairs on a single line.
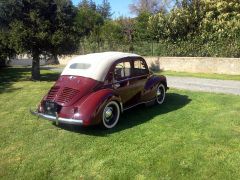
[[94, 66]]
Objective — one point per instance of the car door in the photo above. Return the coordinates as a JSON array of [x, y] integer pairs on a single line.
[[121, 83], [139, 77]]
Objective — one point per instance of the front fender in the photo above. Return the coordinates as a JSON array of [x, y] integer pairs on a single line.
[[151, 87], [154, 80], [90, 107]]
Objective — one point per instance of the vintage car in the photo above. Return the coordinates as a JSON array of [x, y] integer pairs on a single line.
[[96, 88]]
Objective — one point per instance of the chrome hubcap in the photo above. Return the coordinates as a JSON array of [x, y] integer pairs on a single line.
[[108, 112], [158, 92]]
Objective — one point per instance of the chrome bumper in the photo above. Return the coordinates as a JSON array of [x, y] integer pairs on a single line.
[[57, 119]]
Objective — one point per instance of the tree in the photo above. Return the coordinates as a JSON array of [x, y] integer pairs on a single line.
[[149, 6], [181, 22], [141, 22], [40, 26], [221, 20], [88, 22], [5, 51], [62, 42], [127, 25], [86, 4], [111, 32], [87, 19], [105, 9], [158, 26]]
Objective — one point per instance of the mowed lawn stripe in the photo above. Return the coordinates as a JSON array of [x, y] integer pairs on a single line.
[[193, 135], [201, 75]]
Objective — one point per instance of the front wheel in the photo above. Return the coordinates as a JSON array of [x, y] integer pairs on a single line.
[[110, 115], [160, 94]]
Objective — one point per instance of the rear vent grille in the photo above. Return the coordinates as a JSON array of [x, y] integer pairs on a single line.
[[53, 92], [67, 95]]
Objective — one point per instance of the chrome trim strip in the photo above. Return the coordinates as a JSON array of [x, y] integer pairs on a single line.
[[127, 79], [114, 81], [139, 104], [57, 119]]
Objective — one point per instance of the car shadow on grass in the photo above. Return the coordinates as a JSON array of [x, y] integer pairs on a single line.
[[135, 116]]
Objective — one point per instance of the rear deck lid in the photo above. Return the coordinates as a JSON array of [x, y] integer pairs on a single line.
[[69, 89]]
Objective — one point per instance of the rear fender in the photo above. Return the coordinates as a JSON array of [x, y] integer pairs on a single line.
[[90, 108]]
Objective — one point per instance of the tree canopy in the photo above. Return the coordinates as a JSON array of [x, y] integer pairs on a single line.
[[57, 27], [40, 26]]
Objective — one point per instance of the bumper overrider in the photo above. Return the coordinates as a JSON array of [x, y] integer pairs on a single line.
[[57, 119]]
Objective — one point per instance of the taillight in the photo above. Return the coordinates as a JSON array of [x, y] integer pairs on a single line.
[[76, 113]]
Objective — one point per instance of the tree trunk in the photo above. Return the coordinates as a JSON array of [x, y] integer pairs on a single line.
[[3, 62], [55, 59], [35, 66]]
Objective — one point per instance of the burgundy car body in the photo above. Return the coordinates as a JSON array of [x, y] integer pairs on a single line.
[[80, 100]]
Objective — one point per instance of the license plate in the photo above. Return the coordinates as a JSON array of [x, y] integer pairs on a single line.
[[50, 108]]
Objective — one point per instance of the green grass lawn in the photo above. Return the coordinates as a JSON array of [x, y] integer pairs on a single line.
[[192, 136], [201, 75]]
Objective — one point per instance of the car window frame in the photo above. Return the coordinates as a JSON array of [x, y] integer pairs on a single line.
[[145, 64], [110, 75], [123, 60], [109, 79]]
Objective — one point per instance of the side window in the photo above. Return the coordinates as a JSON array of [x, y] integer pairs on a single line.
[[122, 70], [139, 68]]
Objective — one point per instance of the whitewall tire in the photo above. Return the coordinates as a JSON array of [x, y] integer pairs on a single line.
[[110, 115], [160, 94]]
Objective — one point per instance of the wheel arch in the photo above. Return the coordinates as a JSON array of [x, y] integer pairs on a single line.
[[164, 82], [91, 106], [155, 80]]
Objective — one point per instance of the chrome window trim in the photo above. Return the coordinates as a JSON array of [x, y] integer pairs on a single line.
[[127, 79]]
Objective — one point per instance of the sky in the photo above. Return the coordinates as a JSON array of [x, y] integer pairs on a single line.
[[119, 7]]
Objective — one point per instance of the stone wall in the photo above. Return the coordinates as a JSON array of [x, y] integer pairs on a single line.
[[196, 64], [181, 64], [188, 64], [24, 62]]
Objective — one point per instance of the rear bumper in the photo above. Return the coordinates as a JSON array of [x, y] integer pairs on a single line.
[[57, 119]]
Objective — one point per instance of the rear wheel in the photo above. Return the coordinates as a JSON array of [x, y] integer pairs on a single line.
[[160, 94], [110, 115]]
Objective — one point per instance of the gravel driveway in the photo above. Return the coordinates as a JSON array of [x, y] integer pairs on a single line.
[[206, 85], [199, 84]]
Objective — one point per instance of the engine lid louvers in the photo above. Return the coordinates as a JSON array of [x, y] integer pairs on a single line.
[[67, 95]]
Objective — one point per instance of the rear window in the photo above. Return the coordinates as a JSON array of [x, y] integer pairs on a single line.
[[80, 66]]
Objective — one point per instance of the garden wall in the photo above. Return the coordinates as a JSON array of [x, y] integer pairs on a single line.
[[188, 64], [26, 60], [197, 64], [182, 64]]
